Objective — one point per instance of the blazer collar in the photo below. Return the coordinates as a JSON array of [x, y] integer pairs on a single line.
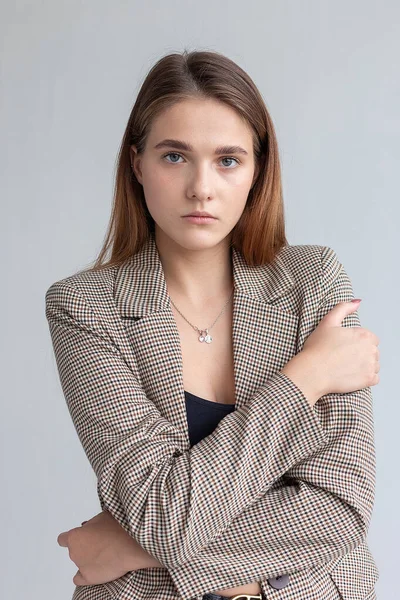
[[140, 286]]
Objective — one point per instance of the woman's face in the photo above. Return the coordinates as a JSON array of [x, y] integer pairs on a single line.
[[185, 168]]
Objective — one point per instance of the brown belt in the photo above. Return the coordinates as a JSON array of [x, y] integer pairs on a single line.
[[245, 597], [237, 597]]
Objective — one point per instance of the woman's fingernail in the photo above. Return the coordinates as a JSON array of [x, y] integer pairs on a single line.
[[356, 300]]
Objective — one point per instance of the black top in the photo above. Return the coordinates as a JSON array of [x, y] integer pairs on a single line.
[[203, 416]]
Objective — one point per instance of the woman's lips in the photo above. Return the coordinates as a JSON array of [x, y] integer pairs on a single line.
[[200, 220]]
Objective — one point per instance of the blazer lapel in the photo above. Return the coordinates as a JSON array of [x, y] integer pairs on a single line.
[[264, 330]]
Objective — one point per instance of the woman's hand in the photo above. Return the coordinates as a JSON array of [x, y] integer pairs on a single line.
[[335, 359], [347, 357], [103, 551]]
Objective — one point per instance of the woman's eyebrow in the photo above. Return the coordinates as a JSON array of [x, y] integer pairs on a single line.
[[179, 145]]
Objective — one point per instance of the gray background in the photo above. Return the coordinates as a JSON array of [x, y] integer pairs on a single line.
[[329, 74]]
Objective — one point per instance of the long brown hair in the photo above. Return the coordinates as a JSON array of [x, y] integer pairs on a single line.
[[260, 232]]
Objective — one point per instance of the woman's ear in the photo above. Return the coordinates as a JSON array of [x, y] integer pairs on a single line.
[[135, 163]]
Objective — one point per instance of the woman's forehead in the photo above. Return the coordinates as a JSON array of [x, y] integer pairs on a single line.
[[201, 123]]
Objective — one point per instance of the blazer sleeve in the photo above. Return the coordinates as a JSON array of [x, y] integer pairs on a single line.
[[173, 500], [320, 508]]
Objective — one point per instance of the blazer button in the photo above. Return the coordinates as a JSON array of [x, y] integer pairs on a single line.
[[279, 582]]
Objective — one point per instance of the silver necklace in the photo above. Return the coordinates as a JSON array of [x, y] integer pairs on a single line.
[[204, 335]]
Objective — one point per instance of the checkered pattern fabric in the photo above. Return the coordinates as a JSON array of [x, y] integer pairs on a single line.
[[279, 487]]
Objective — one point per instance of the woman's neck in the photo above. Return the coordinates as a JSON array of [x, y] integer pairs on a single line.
[[198, 276]]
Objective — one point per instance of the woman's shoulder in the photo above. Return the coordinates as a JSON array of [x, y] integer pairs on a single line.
[[305, 261], [307, 254], [85, 282]]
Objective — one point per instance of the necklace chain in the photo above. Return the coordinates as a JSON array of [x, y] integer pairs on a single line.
[[204, 335]]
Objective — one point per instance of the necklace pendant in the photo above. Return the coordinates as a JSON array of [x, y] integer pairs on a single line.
[[205, 336], [208, 338]]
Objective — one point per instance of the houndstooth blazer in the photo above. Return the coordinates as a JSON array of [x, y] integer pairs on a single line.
[[280, 492]]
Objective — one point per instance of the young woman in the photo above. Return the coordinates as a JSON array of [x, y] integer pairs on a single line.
[[218, 377]]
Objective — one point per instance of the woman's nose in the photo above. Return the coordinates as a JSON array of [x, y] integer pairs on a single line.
[[201, 183]]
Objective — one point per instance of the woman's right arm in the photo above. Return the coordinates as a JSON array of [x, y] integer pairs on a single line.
[[320, 510]]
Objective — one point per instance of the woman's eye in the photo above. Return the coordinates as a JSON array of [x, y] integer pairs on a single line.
[[171, 154], [230, 158], [175, 154]]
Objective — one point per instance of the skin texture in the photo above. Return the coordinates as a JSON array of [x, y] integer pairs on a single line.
[[177, 182], [102, 550]]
